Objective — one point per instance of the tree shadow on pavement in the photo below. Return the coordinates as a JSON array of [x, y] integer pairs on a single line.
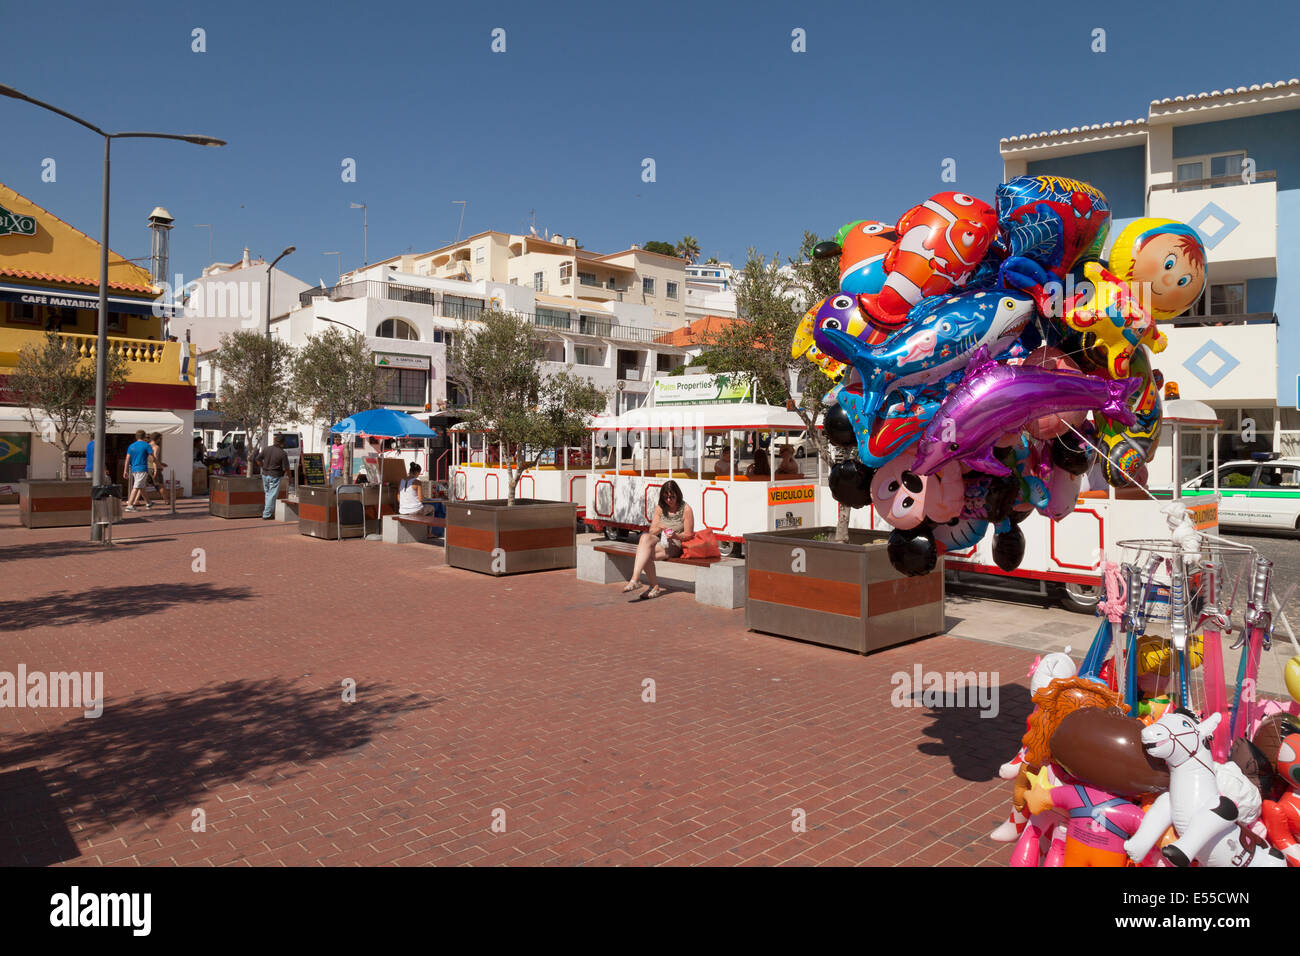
[[155, 755], [62, 549], [975, 745], [102, 604]]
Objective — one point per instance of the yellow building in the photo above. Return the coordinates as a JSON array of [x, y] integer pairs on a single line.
[[49, 282]]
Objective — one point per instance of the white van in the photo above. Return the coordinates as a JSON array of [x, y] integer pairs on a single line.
[[1256, 494]]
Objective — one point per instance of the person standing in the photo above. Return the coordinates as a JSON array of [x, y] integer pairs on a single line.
[[275, 465], [138, 455], [157, 476], [90, 458]]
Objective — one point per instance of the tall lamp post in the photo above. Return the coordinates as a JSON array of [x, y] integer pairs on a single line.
[[266, 435], [365, 231], [101, 339]]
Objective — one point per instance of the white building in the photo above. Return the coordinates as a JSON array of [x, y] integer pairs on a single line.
[[408, 321], [231, 296], [710, 290]]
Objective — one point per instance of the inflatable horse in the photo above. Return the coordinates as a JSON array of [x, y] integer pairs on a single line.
[[1209, 805]]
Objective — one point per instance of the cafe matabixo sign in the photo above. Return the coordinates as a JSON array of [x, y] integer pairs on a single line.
[[13, 224], [701, 389]]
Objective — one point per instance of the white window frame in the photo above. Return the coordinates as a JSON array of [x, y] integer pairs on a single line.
[[539, 281], [1204, 159], [480, 254], [671, 289], [566, 273], [647, 285]]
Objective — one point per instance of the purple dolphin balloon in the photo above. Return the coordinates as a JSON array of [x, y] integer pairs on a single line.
[[994, 399]]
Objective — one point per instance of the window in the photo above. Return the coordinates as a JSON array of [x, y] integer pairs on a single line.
[[672, 290], [1196, 168], [552, 318], [666, 363], [588, 355], [456, 307], [396, 329], [1228, 298], [1236, 476], [647, 286], [539, 284], [24, 313], [591, 325], [403, 386], [566, 272], [479, 254], [1279, 476]]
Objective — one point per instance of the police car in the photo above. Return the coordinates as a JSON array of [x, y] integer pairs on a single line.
[[1256, 494]]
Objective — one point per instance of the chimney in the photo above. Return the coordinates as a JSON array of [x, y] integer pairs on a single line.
[[246, 261], [572, 242], [635, 246], [160, 223]]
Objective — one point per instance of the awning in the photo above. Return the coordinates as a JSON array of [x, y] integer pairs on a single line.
[[740, 415], [120, 422]]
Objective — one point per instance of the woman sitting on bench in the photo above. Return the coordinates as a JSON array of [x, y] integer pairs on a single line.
[[673, 523], [410, 500]]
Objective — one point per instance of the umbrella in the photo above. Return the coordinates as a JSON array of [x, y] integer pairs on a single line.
[[382, 423]]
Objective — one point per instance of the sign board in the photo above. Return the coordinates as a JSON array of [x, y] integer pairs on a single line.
[[778, 495], [403, 361], [701, 389], [69, 300], [313, 469], [13, 224], [15, 448]]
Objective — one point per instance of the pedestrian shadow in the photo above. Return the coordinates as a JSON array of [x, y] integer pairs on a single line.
[[975, 745], [101, 604], [62, 549], [154, 756]]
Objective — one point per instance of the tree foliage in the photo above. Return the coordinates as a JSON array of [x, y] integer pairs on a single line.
[[54, 379], [663, 248], [334, 376], [498, 360], [256, 381], [688, 248]]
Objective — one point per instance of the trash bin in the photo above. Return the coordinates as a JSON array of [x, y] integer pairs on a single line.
[[439, 511]]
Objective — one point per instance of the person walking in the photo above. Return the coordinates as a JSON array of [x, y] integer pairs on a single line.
[[275, 465], [136, 470], [90, 458], [157, 476]]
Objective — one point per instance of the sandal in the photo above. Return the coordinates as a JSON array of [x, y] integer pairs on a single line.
[[631, 586], [656, 591]]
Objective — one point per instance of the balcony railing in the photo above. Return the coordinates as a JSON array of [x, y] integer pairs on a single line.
[[1187, 185], [1237, 318], [146, 360], [472, 310]]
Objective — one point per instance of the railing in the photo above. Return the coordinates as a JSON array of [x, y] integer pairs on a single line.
[[144, 351], [471, 311], [1239, 318], [1187, 185]]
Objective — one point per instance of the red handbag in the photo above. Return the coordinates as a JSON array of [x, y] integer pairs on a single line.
[[702, 546]]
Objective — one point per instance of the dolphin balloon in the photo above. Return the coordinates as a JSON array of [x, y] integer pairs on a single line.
[[941, 335], [994, 399]]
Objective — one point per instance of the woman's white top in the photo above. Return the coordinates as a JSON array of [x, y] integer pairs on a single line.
[[408, 498]]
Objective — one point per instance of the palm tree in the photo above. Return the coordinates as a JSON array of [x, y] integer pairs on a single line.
[[689, 248], [712, 261]]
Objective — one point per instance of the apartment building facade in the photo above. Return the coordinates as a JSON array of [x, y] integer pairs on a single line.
[[1227, 163], [409, 321], [557, 266]]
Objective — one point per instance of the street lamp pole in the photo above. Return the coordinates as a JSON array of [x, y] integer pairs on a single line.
[[101, 338], [266, 434]]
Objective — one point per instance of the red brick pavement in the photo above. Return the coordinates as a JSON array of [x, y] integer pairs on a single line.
[[473, 695]]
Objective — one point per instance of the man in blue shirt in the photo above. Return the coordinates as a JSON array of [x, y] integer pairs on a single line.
[[90, 458], [136, 471]]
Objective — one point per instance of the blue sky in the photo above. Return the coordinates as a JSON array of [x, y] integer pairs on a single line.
[[752, 142]]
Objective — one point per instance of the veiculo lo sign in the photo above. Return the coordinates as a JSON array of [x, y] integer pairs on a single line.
[[13, 224]]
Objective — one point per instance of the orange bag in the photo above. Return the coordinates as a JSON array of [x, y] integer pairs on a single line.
[[702, 546]]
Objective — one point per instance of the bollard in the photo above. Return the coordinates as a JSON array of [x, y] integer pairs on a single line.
[[171, 488]]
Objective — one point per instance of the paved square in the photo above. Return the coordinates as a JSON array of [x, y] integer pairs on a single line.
[[224, 704]]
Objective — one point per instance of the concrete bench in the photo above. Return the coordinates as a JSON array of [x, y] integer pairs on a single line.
[[410, 529], [717, 582]]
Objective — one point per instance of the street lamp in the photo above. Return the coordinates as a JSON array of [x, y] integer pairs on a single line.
[[365, 231], [266, 434], [101, 339]]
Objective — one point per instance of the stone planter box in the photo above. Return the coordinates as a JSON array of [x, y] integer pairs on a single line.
[[318, 511], [841, 595], [50, 503], [493, 538], [232, 496]]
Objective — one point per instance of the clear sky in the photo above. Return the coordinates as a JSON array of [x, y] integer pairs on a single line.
[[752, 142]]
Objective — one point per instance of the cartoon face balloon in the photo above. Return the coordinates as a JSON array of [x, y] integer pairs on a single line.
[[839, 312], [1167, 257], [863, 246], [940, 245], [899, 494]]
